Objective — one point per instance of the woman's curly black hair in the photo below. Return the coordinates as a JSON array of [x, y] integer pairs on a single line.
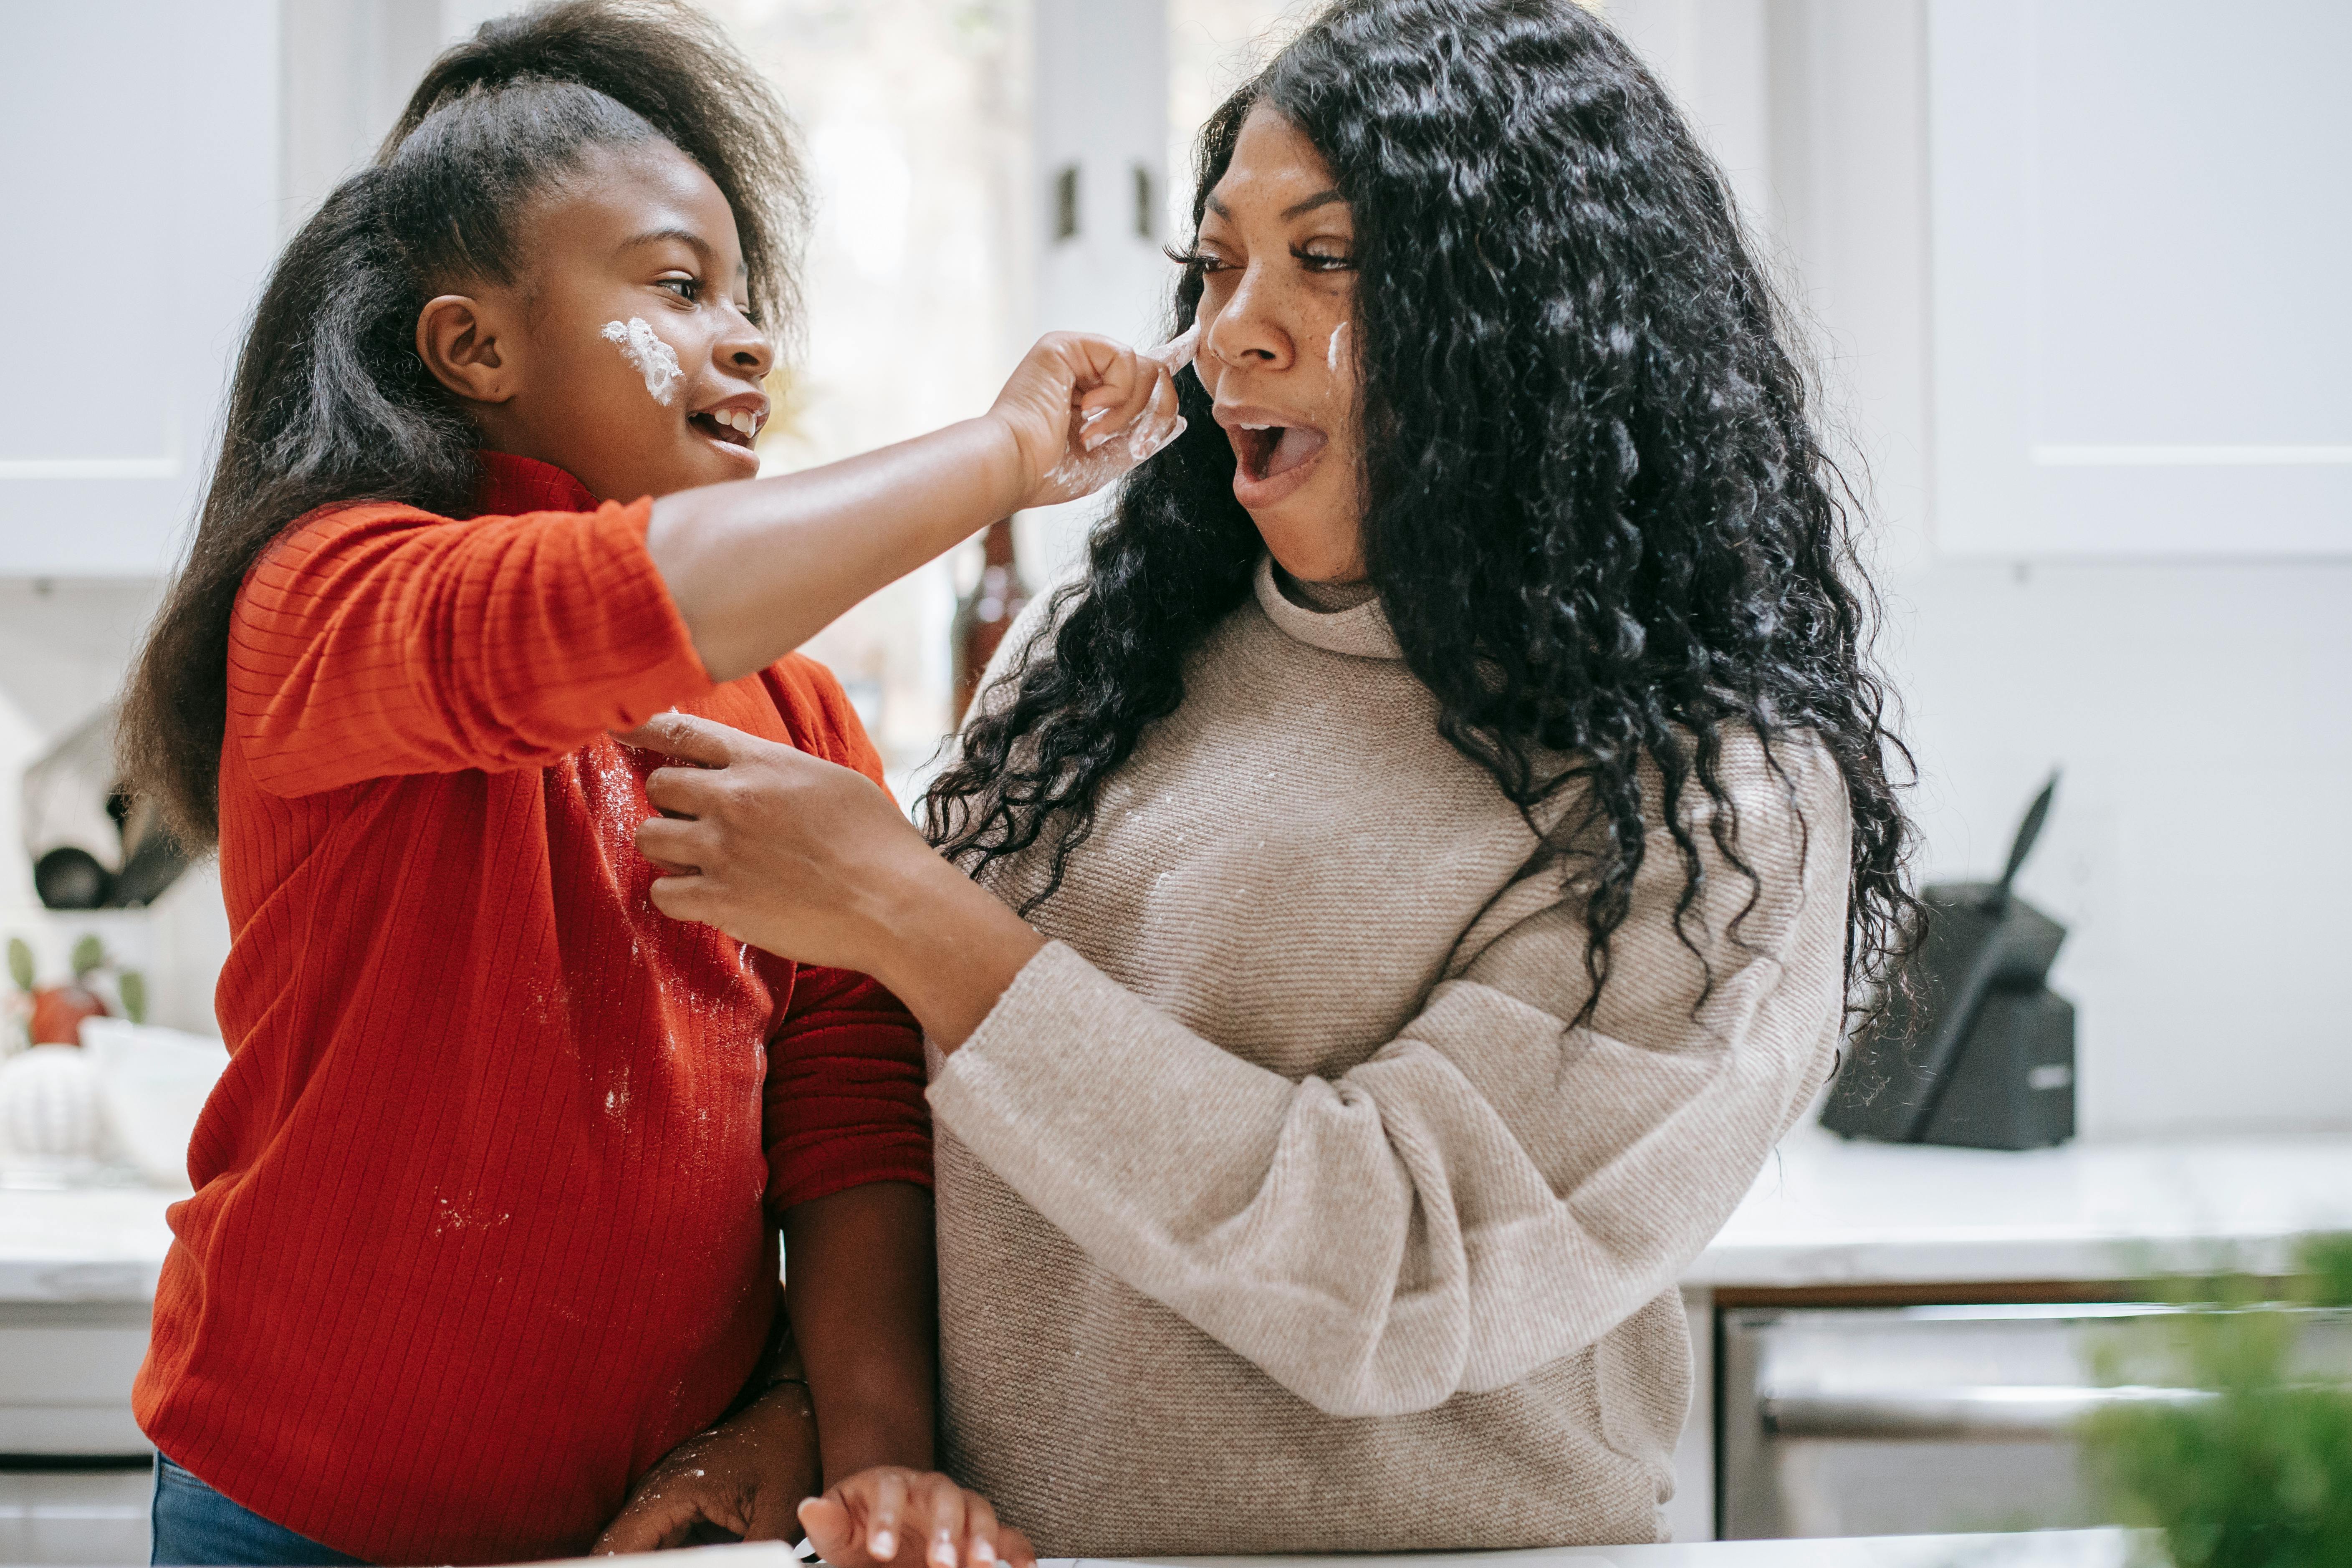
[[1597, 512]]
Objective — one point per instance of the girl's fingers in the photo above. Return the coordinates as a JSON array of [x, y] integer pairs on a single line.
[[1176, 351], [886, 1507], [980, 1532], [1013, 1547], [830, 1528], [943, 1544]]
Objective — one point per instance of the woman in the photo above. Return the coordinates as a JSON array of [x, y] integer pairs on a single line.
[[1419, 871]]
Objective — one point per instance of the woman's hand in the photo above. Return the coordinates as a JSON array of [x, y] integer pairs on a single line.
[[740, 1480], [888, 1514], [1083, 410], [814, 862]]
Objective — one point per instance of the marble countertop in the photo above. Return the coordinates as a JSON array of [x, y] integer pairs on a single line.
[[1828, 1211], [2036, 1548], [1823, 1212]]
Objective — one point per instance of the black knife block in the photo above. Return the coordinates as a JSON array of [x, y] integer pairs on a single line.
[[1975, 1051], [1979, 1053]]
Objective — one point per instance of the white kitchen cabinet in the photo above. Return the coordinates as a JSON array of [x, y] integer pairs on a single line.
[[2137, 271], [139, 195], [94, 1516]]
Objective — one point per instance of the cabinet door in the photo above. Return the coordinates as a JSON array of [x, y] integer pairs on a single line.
[[138, 215], [2139, 231]]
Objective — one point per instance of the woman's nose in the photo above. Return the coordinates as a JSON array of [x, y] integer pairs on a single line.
[[1246, 332]]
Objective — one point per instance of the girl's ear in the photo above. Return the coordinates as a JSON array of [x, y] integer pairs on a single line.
[[458, 339]]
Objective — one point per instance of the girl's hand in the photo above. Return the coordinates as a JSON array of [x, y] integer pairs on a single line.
[[739, 1480], [1083, 410], [912, 1517]]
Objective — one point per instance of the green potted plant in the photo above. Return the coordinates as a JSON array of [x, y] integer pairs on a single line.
[[2254, 1468]]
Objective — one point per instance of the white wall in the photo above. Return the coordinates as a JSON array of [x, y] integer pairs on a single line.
[[2199, 841]]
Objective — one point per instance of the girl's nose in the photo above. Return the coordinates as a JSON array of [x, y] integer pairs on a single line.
[[744, 347]]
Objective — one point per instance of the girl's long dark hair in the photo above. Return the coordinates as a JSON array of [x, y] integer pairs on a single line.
[[1597, 512], [330, 403]]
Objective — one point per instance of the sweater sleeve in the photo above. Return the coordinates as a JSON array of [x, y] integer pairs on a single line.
[[844, 1103], [1489, 1191], [376, 640], [845, 1091]]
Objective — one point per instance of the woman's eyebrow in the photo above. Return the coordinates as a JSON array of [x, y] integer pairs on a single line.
[[1319, 199]]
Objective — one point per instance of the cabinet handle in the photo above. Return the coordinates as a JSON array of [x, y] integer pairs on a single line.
[[1980, 1415]]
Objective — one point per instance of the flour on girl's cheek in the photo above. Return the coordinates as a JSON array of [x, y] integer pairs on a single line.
[[653, 359], [1332, 351]]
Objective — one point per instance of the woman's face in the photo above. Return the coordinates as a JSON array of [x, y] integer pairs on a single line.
[[1276, 254]]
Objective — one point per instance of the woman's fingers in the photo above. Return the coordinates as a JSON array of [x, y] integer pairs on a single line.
[[677, 844], [684, 792], [688, 737]]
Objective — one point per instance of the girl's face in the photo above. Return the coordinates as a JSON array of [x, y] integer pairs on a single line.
[[623, 354], [1276, 253]]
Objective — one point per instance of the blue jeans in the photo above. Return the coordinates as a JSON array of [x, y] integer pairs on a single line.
[[194, 1524]]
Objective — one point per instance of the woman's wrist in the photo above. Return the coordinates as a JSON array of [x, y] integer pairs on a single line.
[[949, 949]]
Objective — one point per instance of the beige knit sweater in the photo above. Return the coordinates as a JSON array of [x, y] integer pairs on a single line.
[[1279, 1208]]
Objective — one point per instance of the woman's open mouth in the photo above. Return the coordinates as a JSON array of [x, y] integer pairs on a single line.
[[1271, 459]]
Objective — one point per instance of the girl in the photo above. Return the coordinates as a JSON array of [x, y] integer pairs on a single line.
[[1450, 816], [487, 1204]]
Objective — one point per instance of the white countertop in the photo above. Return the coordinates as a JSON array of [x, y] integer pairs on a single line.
[[1825, 1212], [2034, 1549], [90, 1244]]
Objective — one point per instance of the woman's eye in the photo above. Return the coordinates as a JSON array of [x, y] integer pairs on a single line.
[[687, 288], [1325, 261], [1198, 260]]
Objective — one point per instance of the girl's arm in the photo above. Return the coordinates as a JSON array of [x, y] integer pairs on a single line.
[[373, 640], [758, 567], [1488, 1192]]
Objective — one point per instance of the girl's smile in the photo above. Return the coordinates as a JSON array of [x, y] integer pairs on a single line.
[[628, 356]]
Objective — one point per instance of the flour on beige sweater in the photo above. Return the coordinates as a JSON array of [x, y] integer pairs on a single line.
[[1280, 1209]]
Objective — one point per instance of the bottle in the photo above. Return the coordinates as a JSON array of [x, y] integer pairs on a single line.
[[984, 616]]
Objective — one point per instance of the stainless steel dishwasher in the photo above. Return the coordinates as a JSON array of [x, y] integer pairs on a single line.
[[1911, 1420]]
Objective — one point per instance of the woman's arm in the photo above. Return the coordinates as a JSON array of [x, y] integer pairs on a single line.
[[1489, 1192]]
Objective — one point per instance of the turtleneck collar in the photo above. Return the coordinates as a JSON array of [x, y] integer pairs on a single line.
[[1359, 632], [511, 485]]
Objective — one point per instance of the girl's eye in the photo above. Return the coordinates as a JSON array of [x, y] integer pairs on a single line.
[[687, 288], [1325, 261]]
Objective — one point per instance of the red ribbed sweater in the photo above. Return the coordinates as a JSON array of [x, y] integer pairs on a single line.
[[486, 1206]]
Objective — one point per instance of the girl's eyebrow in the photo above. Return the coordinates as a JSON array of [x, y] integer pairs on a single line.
[[685, 236]]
